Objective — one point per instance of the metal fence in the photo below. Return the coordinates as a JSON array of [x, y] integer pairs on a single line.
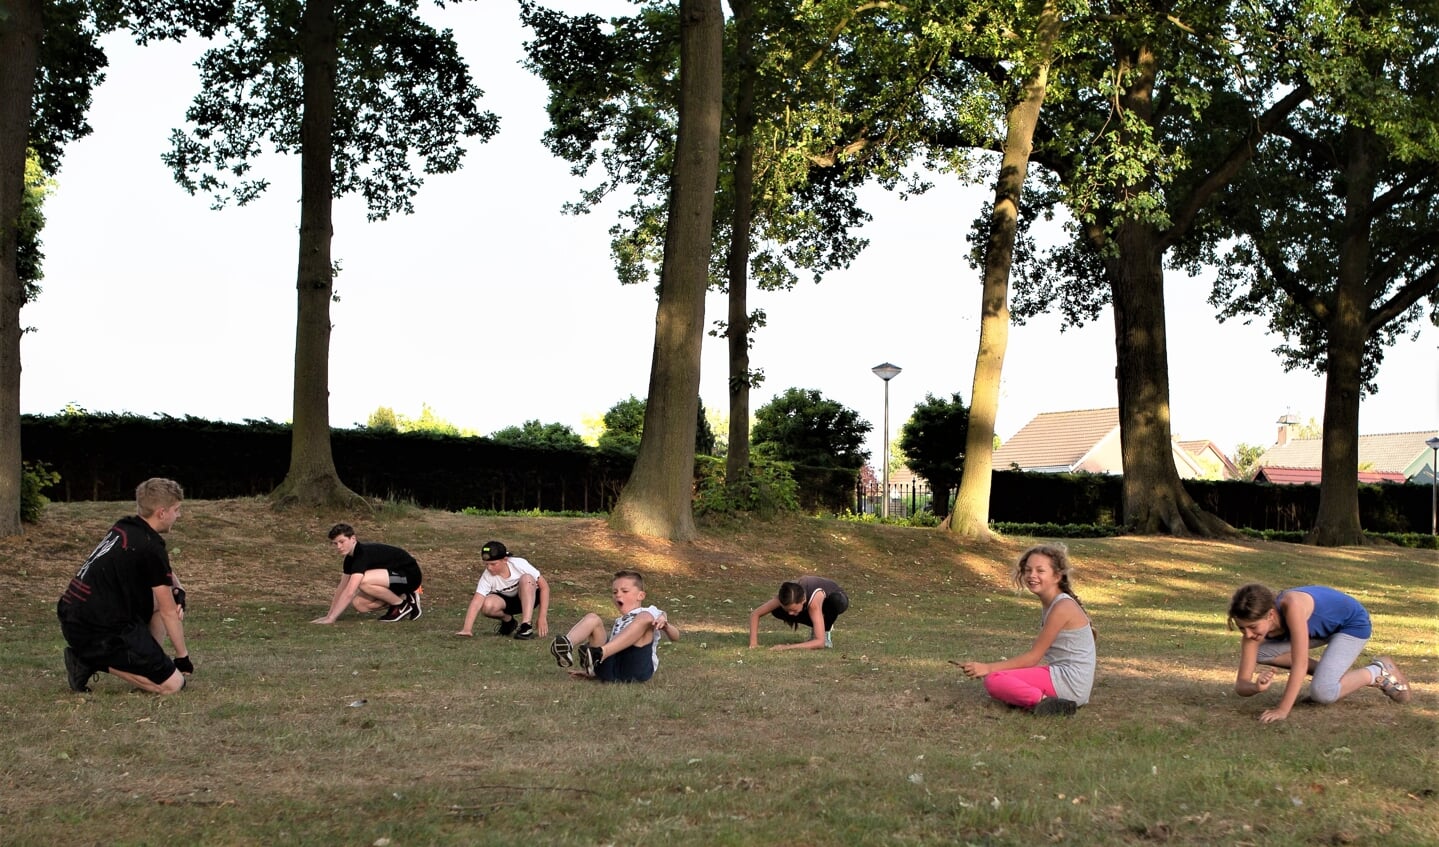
[[905, 499]]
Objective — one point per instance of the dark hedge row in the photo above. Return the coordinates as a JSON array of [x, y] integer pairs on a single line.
[[103, 457], [1094, 499]]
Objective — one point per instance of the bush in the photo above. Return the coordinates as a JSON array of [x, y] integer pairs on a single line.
[[1057, 530], [34, 477], [772, 490]]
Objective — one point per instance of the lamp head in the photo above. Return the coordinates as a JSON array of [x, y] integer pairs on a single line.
[[888, 372]]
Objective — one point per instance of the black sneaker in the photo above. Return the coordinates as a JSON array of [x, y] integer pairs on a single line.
[[77, 673], [525, 632], [563, 652], [397, 613], [1055, 707], [590, 658], [414, 603], [507, 627]]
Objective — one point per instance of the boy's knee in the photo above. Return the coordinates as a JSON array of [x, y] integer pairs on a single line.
[[1324, 694]]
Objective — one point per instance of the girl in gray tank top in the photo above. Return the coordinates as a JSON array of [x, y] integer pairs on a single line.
[[1055, 675]]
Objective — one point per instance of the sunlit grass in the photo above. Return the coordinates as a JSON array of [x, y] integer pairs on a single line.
[[364, 732]]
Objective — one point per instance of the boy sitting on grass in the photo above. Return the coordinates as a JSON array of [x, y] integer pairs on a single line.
[[631, 651]]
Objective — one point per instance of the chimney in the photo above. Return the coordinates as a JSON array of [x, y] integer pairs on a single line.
[[1286, 422]]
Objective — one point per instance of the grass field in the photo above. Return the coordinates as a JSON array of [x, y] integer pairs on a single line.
[[402, 734]]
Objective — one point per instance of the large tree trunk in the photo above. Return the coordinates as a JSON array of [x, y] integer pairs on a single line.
[[657, 500], [312, 479], [737, 471], [971, 504], [1154, 500], [1337, 523], [20, 30]]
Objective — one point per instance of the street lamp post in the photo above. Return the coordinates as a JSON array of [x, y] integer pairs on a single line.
[[886, 372], [1433, 444]]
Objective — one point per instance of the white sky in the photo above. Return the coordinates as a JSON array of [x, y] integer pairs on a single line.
[[493, 308]]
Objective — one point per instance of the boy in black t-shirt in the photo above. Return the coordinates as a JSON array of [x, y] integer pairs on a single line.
[[375, 576], [122, 601]]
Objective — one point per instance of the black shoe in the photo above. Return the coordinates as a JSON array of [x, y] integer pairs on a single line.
[[525, 632], [507, 627], [1055, 707], [590, 658], [396, 613], [563, 652], [77, 673], [415, 605]]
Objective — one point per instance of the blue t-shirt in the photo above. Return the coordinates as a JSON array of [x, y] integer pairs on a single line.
[[1334, 612]]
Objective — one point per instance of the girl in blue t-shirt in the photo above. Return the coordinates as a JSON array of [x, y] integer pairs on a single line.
[[1279, 627]]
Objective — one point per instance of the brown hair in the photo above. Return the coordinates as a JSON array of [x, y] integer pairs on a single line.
[[1059, 555], [634, 575], [790, 592], [155, 494], [1250, 603], [340, 529]]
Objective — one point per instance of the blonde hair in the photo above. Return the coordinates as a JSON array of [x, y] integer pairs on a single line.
[[1059, 555], [157, 493]]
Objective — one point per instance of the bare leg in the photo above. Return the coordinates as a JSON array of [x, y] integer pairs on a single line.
[[169, 686], [527, 597], [589, 630]]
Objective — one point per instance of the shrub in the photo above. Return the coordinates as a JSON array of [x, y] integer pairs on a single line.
[[34, 477], [772, 489], [1056, 530]]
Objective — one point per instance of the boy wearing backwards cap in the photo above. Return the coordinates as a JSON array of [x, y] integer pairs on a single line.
[[509, 586]]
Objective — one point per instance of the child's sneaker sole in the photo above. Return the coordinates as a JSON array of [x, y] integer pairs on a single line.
[[563, 652]]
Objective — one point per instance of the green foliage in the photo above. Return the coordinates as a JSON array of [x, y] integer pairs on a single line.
[[802, 427], [1246, 459], [769, 491], [403, 101], [1055, 530], [525, 513], [535, 434], [933, 443], [624, 423], [28, 256], [383, 419], [35, 477]]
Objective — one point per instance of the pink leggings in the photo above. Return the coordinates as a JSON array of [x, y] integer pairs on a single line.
[[1023, 687]]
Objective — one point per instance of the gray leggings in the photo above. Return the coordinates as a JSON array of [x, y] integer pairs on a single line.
[[1337, 659]]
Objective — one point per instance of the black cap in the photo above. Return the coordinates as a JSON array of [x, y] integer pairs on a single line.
[[493, 550]]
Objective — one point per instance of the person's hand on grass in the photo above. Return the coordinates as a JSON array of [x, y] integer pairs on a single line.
[[465, 633]]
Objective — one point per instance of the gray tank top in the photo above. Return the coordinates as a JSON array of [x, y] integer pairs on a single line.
[[1071, 658]]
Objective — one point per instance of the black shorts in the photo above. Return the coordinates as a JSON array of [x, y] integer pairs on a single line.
[[404, 582], [635, 663], [133, 651], [833, 606], [512, 604]]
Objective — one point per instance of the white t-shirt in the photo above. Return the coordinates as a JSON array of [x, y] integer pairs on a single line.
[[624, 621], [506, 586]]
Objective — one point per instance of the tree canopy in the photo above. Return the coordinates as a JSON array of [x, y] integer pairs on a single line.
[[804, 427]]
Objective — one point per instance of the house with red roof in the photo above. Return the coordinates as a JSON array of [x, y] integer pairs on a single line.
[[1395, 457], [1087, 441]]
